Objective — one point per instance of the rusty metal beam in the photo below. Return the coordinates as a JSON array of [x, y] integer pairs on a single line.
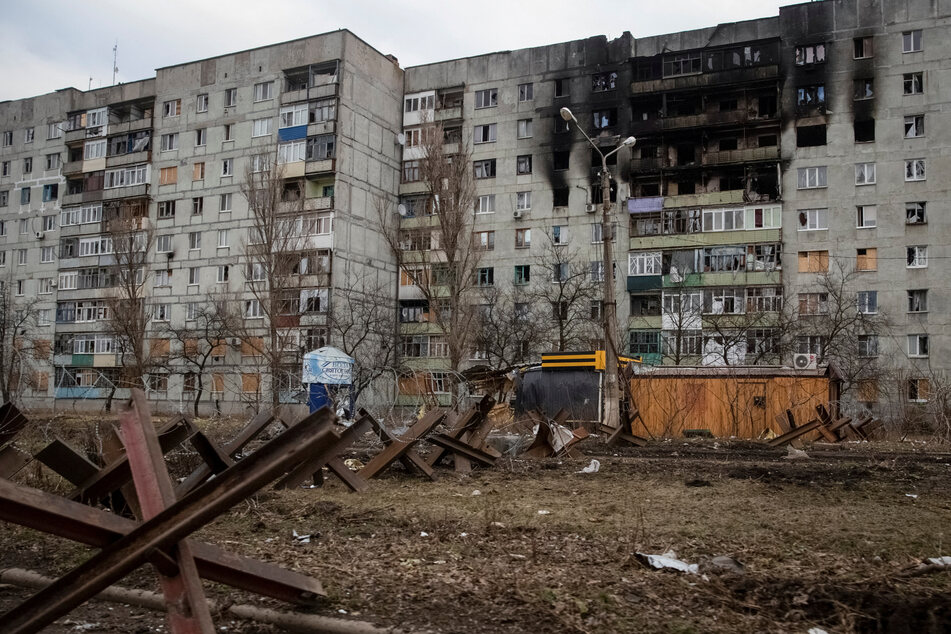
[[460, 448], [12, 460], [171, 525], [305, 469], [91, 526], [402, 448], [12, 421]]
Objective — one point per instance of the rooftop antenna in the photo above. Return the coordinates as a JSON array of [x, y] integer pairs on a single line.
[[115, 58], [90, 84]]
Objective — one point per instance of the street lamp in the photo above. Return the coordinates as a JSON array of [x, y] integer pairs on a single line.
[[612, 394]]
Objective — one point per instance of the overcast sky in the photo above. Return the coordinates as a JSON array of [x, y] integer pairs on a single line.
[[51, 44]]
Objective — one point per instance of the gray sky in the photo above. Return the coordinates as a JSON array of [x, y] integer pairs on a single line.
[[51, 44]]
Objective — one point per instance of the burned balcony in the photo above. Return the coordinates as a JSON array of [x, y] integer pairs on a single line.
[[311, 82]]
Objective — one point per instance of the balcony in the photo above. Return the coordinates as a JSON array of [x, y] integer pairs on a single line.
[[71, 168], [131, 158], [319, 203], [729, 197], [305, 94], [323, 166], [648, 164], [74, 136], [135, 125], [72, 199], [703, 80], [447, 114], [321, 127], [135, 191], [741, 156], [706, 119]]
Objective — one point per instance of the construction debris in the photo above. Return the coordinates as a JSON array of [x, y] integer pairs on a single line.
[[832, 431]]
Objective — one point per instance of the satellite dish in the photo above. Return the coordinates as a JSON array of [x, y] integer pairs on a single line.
[[401, 138], [401, 210]]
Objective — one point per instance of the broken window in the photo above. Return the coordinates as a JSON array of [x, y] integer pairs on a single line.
[[915, 213], [645, 305], [561, 87], [918, 301], [914, 126], [764, 257], [810, 54], [726, 145], [863, 89], [767, 140], [680, 221], [724, 301], [810, 135], [488, 98], [913, 83], [605, 118], [682, 64], [866, 259], [560, 159], [603, 81], [560, 196], [862, 47], [811, 96], [484, 168]]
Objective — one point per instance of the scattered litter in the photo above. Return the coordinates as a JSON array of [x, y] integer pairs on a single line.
[[697, 482], [816, 630], [439, 562], [795, 454], [927, 566], [939, 561], [83, 627], [353, 464], [544, 512], [423, 534], [593, 467], [497, 525], [477, 492], [301, 539], [517, 556], [463, 534], [667, 560], [727, 564], [913, 496], [342, 611]]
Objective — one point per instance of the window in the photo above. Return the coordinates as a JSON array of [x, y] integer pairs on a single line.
[[4, 200], [28, 165], [810, 344], [597, 233], [25, 196], [323, 110], [918, 301], [862, 47], [411, 172], [54, 131], [864, 130], [917, 345], [47, 254], [252, 309], [484, 240], [524, 128], [813, 219], [198, 171], [295, 115], [865, 216], [193, 275], [914, 126], [764, 299], [52, 162], [523, 164], [562, 88], [523, 274], [264, 91], [601, 82], [559, 235], [194, 240], [811, 177], [227, 167], [645, 341], [913, 83], [163, 278], [172, 108], [915, 170], [810, 54], [224, 203], [231, 97], [722, 219], [201, 103], [526, 92], [222, 238], [523, 238], [261, 127], [50, 192], [163, 244], [813, 261], [7, 138], [488, 98], [868, 345], [644, 263], [222, 276], [806, 136], [166, 209], [21, 257], [485, 276], [292, 152], [915, 213], [414, 104], [28, 135], [5, 169], [811, 96], [917, 257], [866, 259], [523, 201], [865, 173], [862, 89], [596, 270], [49, 223], [484, 168], [258, 163], [484, 133], [162, 312], [169, 142], [911, 41], [866, 302], [682, 64], [168, 175], [94, 150], [918, 390], [485, 204]]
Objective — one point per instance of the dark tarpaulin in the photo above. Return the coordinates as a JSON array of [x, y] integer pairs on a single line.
[[551, 390]]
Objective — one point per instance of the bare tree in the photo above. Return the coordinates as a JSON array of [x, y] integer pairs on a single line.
[[361, 325], [128, 313], [438, 252], [507, 331], [199, 339], [568, 288], [283, 268], [18, 316]]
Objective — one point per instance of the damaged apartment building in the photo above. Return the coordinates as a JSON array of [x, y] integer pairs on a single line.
[[774, 156]]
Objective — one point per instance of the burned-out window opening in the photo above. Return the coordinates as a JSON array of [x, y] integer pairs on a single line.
[[560, 196], [862, 47], [764, 257], [767, 140], [682, 64], [686, 186], [560, 159], [810, 54], [863, 89], [766, 106], [562, 87], [728, 105], [604, 118], [596, 159], [680, 221], [597, 196], [601, 82], [811, 96], [810, 135], [915, 213], [645, 305], [646, 224], [724, 259], [726, 145]]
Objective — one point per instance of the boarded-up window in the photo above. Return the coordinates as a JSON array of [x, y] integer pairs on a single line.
[[251, 347], [868, 391], [41, 381], [220, 348], [198, 171], [217, 383], [41, 349], [866, 259], [250, 382], [168, 176], [813, 261], [191, 348], [159, 348]]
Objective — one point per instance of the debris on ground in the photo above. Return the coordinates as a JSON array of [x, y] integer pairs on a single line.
[[593, 467], [667, 561]]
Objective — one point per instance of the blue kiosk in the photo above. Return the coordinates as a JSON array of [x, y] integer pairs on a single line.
[[328, 375]]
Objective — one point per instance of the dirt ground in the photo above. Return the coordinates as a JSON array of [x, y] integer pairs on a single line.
[[535, 546]]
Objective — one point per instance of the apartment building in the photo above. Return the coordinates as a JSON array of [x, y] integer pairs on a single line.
[[787, 169]]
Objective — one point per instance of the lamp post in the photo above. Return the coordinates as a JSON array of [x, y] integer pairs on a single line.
[[612, 394]]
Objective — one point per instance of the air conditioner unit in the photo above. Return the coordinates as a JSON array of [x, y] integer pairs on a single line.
[[517, 214], [38, 235], [804, 361], [590, 208]]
